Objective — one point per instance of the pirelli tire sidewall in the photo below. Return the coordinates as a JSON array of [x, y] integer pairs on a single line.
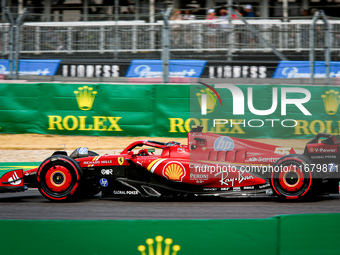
[[292, 178], [59, 178]]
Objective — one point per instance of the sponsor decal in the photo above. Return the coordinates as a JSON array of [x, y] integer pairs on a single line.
[[223, 143], [231, 181], [237, 71], [200, 178], [154, 68], [43, 67], [237, 189], [85, 97], [317, 126], [14, 180], [174, 171], [120, 160], [83, 123], [196, 134], [317, 157], [159, 246], [82, 150], [90, 71], [30, 173], [248, 187], [209, 189], [96, 161], [252, 159], [301, 69], [104, 182], [331, 100], [264, 186], [183, 126], [269, 192], [323, 156], [323, 150], [264, 160], [125, 192], [106, 171]]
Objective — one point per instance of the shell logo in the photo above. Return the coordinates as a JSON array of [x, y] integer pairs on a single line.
[[311, 149], [174, 171]]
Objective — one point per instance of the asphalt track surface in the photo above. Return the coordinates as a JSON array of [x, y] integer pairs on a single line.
[[31, 205]]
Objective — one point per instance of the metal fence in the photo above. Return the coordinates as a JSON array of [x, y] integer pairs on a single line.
[[195, 36]]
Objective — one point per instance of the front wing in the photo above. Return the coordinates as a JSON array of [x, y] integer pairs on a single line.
[[12, 181]]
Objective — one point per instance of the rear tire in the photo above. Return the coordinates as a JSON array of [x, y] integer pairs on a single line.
[[59, 178], [291, 177]]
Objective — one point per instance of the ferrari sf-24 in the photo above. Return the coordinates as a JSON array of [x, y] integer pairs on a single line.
[[209, 165]]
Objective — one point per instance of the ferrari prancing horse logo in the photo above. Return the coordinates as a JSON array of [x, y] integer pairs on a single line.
[[120, 160]]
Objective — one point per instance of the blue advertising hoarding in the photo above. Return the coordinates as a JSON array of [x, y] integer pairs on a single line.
[[301, 69], [154, 68], [32, 66]]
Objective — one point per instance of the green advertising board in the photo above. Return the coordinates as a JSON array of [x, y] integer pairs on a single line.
[[245, 111], [96, 109], [288, 234]]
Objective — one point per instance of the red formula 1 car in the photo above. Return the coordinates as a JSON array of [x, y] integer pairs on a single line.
[[210, 165]]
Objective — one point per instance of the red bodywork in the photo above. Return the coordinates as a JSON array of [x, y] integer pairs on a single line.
[[208, 160], [12, 181]]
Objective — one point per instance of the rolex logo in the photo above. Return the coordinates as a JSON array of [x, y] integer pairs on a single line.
[[331, 100], [85, 97], [207, 100], [159, 246]]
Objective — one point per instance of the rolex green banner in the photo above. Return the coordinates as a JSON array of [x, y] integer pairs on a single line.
[[96, 109], [288, 234], [246, 111]]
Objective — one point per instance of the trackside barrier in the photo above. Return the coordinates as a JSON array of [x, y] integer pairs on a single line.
[[260, 111], [92, 109], [293, 234], [309, 234], [186, 36]]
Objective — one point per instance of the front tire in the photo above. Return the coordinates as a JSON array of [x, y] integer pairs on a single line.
[[291, 177], [58, 178]]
